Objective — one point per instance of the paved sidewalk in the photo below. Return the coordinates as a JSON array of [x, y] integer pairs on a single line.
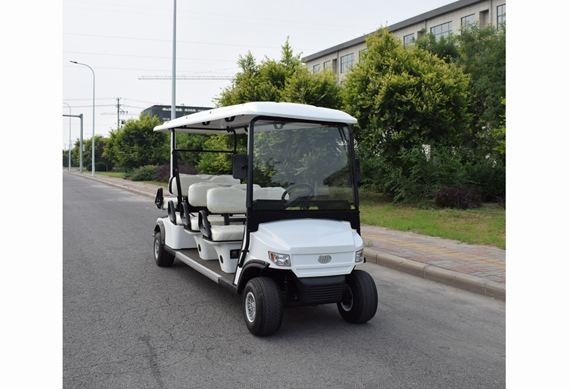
[[476, 268]]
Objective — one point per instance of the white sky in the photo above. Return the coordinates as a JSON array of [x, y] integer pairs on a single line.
[[122, 40]]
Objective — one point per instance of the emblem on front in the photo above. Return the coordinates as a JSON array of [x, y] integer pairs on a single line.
[[324, 258]]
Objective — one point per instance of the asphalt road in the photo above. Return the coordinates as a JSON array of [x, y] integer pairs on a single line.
[[130, 324]]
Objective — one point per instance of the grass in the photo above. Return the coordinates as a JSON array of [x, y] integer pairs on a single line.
[[485, 225]]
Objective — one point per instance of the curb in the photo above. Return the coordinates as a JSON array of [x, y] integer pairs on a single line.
[[124, 187], [433, 273], [429, 272]]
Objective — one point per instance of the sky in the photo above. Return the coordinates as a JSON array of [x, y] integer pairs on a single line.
[[124, 40]]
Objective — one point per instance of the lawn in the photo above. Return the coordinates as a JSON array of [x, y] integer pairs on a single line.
[[485, 225]]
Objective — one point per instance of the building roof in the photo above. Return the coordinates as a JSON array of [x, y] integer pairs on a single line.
[[397, 26]]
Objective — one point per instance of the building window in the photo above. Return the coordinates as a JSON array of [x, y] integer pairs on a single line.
[[346, 62], [316, 68], [327, 65], [483, 18], [501, 10], [441, 30], [409, 39], [468, 21]]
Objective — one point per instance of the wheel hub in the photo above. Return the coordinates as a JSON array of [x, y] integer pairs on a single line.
[[347, 299], [250, 307]]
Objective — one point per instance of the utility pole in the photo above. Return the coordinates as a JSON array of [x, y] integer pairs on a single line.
[[173, 108], [118, 111]]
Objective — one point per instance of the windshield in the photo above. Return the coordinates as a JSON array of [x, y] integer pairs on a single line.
[[301, 166]]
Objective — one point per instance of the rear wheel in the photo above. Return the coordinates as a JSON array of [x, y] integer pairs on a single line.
[[162, 257], [262, 306], [360, 298]]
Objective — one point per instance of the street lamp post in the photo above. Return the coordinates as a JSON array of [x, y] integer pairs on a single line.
[[69, 145], [93, 137], [173, 106]]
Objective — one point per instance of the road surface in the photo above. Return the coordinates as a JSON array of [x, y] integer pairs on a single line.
[[129, 324]]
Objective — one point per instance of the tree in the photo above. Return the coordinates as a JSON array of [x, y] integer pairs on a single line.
[[480, 53], [100, 143], [406, 101], [285, 80], [319, 89], [136, 144]]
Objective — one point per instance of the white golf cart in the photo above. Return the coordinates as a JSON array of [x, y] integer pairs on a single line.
[[289, 234]]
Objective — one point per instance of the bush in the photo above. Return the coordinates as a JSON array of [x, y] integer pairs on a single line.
[[144, 173], [99, 167], [490, 176], [419, 173], [458, 197], [163, 172]]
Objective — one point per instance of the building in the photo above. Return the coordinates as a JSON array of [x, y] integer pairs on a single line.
[[440, 22], [163, 111]]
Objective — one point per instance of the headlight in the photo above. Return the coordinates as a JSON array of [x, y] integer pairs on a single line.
[[280, 259], [359, 256]]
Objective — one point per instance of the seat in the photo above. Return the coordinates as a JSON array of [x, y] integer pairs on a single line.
[[224, 202], [185, 181], [268, 193]]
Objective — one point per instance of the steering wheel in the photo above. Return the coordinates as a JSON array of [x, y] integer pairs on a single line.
[[305, 185]]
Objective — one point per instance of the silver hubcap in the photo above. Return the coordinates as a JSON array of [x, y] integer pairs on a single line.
[[156, 249], [347, 304], [250, 307]]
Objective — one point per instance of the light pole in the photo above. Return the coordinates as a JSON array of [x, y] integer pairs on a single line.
[[69, 151], [93, 137], [173, 106]]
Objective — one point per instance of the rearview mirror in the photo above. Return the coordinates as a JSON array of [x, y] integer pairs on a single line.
[[239, 169]]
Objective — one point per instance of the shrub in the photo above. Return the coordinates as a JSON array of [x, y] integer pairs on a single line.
[[419, 174], [490, 176], [99, 167], [459, 197], [144, 173], [163, 172]]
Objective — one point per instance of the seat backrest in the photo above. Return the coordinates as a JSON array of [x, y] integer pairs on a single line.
[[268, 193], [244, 186], [224, 179], [185, 181], [197, 193], [226, 200]]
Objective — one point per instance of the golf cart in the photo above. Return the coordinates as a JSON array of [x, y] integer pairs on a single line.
[[283, 230]]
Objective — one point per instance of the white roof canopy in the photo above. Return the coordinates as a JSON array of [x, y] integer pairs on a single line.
[[219, 120]]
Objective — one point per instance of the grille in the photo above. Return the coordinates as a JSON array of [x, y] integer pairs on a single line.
[[325, 294]]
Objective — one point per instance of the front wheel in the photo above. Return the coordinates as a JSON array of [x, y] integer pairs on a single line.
[[262, 306], [360, 298], [162, 257]]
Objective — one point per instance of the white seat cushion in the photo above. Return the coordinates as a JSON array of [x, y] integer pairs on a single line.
[[226, 200], [268, 193], [197, 193], [215, 220], [185, 181], [224, 180], [225, 233]]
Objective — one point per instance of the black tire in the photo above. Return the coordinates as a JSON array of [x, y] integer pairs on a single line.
[[262, 306], [360, 298], [162, 257]]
